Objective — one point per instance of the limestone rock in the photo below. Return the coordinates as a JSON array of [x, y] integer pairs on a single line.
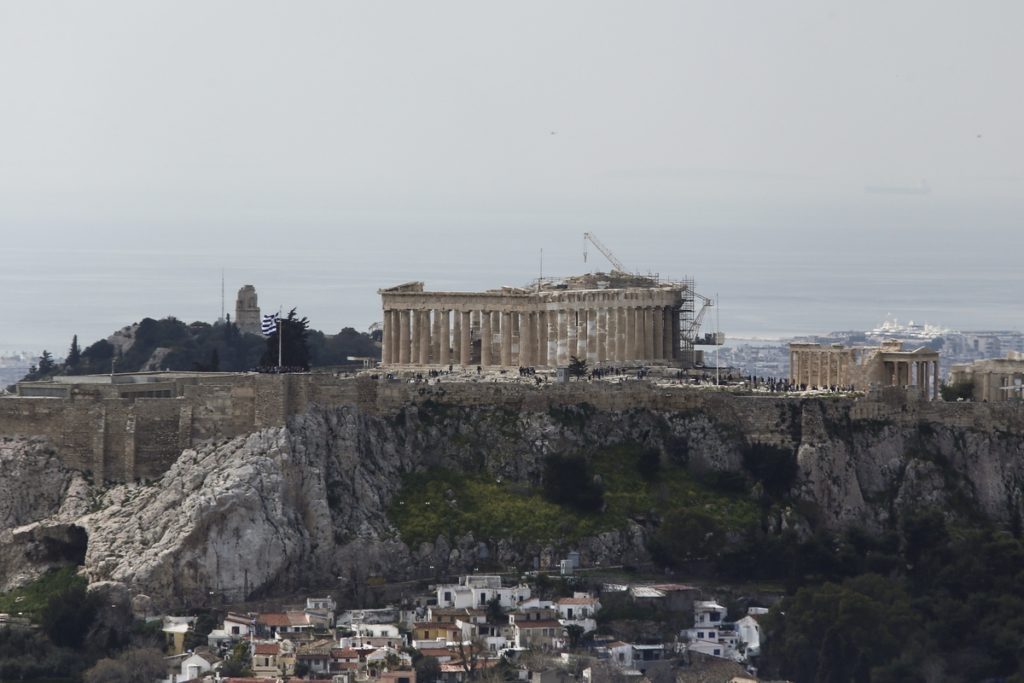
[[306, 504], [33, 481]]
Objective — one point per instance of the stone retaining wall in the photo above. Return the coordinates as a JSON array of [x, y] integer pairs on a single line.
[[123, 439]]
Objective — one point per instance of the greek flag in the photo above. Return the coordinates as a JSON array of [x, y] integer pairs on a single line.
[[269, 323]]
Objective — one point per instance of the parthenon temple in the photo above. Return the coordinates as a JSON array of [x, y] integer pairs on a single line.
[[599, 318], [860, 367]]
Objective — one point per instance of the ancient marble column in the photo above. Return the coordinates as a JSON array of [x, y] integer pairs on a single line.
[[435, 335], [516, 347], [403, 337], [552, 320], [562, 357], [525, 340], [506, 338], [386, 346], [583, 334], [630, 333], [445, 338], [466, 337], [591, 327], [602, 335], [424, 337], [485, 338], [612, 337], [666, 332], [659, 332], [648, 333], [572, 334], [457, 337], [620, 334], [541, 357], [396, 335], [638, 333]]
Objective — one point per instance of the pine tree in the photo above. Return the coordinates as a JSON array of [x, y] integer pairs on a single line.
[[46, 364], [74, 354]]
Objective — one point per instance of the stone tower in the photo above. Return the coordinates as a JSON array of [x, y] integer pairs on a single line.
[[247, 312]]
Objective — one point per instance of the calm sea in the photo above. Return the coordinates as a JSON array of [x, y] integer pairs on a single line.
[[48, 295]]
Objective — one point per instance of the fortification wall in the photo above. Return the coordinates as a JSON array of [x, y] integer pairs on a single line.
[[123, 439]]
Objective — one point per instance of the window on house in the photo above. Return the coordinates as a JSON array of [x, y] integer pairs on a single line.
[[234, 630], [447, 596], [700, 634], [718, 652]]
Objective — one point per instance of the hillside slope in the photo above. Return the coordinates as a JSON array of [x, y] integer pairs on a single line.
[[330, 495]]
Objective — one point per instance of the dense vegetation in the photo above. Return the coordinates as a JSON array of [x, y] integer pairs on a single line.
[[77, 636], [207, 347], [939, 596], [578, 497]]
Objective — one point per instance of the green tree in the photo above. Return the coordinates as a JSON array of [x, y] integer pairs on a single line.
[[46, 364], [131, 666], [68, 615], [428, 670], [293, 346], [96, 357], [74, 355], [237, 662], [960, 391], [495, 612], [843, 632], [575, 633], [568, 480], [577, 367]]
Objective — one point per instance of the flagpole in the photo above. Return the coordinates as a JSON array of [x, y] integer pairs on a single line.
[[280, 336]]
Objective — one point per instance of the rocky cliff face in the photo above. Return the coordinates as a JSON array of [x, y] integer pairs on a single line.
[[306, 504], [35, 486]]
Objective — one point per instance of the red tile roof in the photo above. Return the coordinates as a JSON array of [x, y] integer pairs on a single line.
[[273, 619], [267, 649], [577, 601], [539, 623]]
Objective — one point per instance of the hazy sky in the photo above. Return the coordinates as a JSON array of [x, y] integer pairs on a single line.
[[479, 132]]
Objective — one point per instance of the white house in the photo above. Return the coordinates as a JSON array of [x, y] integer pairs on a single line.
[[476, 590], [711, 634], [192, 667], [376, 630], [748, 632], [238, 626], [620, 653], [579, 610]]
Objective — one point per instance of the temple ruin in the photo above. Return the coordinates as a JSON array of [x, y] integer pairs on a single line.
[[601, 318], [992, 379], [861, 367]]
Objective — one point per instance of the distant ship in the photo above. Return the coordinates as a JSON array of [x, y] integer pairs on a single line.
[[892, 329]]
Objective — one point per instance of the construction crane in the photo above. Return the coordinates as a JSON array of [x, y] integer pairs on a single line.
[[693, 327], [616, 263]]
